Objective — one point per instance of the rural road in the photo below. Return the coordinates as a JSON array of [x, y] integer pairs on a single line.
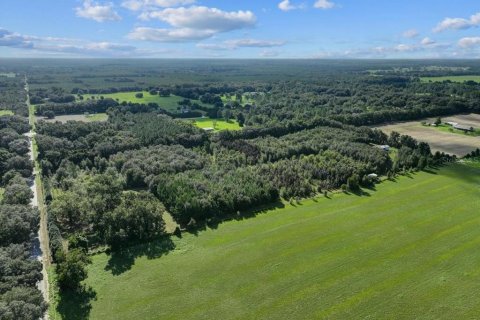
[[40, 246]]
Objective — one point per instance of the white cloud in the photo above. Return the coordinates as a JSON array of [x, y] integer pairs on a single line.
[[286, 5], [136, 5], [324, 4], [241, 43], [404, 47], [95, 11], [169, 35], [72, 47], [204, 18], [412, 33], [458, 23], [469, 42], [192, 23], [427, 41], [269, 53]]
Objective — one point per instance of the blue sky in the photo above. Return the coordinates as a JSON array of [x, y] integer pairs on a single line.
[[240, 29]]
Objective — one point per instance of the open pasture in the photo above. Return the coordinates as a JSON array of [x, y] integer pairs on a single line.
[[77, 117], [439, 140], [216, 124], [451, 78], [169, 103], [6, 112], [406, 250]]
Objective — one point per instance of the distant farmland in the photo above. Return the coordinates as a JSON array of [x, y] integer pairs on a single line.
[[408, 250], [443, 141], [451, 78]]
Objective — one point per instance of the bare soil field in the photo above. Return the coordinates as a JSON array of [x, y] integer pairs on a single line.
[[447, 142]]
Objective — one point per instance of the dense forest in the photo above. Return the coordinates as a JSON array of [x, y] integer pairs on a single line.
[[19, 272]]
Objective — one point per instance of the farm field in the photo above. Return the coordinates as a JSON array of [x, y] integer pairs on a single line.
[[407, 250], [218, 125], [439, 140], [6, 113], [451, 78], [168, 103], [77, 117]]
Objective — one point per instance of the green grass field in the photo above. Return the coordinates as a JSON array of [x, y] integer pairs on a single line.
[[451, 78], [168, 103], [447, 128], [218, 125], [6, 113], [97, 117], [407, 250]]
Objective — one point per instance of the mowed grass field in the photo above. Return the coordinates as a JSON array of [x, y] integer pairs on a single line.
[[409, 250], [451, 78], [168, 103], [217, 124]]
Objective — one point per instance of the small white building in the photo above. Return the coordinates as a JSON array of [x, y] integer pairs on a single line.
[[209, 129]]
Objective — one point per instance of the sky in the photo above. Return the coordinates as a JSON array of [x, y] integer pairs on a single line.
[[303, 29]]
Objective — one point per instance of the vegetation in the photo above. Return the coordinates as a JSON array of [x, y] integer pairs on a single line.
[[283, 132], [460, 79], [216, 124], [361, 251]]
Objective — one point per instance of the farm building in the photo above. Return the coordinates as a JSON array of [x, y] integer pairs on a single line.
[[463, 127], [209, 129]]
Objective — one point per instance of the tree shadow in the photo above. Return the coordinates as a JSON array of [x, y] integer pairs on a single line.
[[213, 223], [122, 259], [76, 305]]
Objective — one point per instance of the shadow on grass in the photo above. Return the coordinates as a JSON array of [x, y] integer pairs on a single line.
[[213, 223], [122, 259], [76, 305]]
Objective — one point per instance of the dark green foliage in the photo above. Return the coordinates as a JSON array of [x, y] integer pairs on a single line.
[[22, 303], [17, 224], [139, 216], [71, 271]]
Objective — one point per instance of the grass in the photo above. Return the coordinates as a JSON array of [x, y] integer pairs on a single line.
[[168, 103], [447, 128], [407, 250], [2, 190], [451, 78], [217, 124], [97, 117], [6, 113]]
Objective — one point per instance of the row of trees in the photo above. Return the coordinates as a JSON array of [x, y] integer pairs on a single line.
[[19, 272]]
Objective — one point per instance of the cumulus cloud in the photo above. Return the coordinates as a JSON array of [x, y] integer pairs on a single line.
[[169, 35], [324, 4], [192, 23], [136, 5], [241, 43], [14, 40], [427, 41], [458, 23], [98, 12], [286, 5], [71, 46], [469, 42], [412, 33]]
